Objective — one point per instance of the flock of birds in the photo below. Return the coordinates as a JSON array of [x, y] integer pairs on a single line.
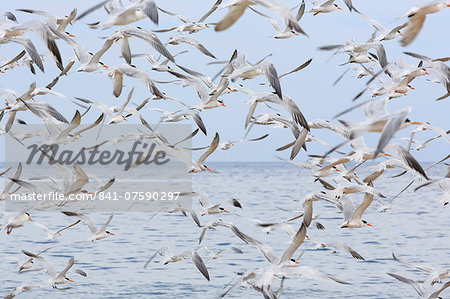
[[341, 186]]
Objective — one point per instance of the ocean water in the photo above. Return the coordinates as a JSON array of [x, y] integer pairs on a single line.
[[415, 228]]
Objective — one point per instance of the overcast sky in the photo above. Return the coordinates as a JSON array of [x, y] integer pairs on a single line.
[[311, 88]]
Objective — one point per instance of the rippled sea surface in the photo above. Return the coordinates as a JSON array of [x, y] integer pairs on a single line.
[[416, 228]]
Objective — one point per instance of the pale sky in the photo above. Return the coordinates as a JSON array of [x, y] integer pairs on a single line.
[[311, 88]]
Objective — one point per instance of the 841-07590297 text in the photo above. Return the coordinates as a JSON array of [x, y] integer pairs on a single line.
[[137, 196]]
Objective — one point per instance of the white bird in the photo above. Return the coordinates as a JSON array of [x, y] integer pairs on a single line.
[[384, 33], [416, 18], [238, 7], [120, 15], [16, 220], [55, 278], [282, 33], [188, 25], [325, 7], [30, 262], [19, 290], [251, 71], [177, 39], [123, 34], [338, 246], [434, 275], [352, 217], [96, 233], [195, 166], [89, 62]]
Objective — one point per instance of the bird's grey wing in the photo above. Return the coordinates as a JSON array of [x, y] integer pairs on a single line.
[[415, 24], [91, 9], [391, 127], [209, 12], [69, 226], [80, 272], [211, 149], [152, 39], [62, 274], [301, 11], [406, 158], [199, 122], [198, 262], [417, 287], [103, 228], [296, 242], [299, 143], [271, 73], [234, 13], [305, 64], [305, 271], [89, 221], [436, 294], [151, 10], [32, 187], [20, 55]]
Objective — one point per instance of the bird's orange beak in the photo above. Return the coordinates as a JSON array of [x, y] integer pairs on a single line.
[[296, 33], [416, 123], [401, 34], [2, 72], [186, 117], [338, 170], [369, 225], [339, 8], [112, 234], [171, 69], [356, 176], [427, 73], [71, 35], [388, 155], [71, 280], [207, 168], [227, 211], [70, 23], [29, 218], [297, 262], [224, 105], [412, 87]]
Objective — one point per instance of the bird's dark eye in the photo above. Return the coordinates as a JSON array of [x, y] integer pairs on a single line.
[[139, 27], [364, 221]]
